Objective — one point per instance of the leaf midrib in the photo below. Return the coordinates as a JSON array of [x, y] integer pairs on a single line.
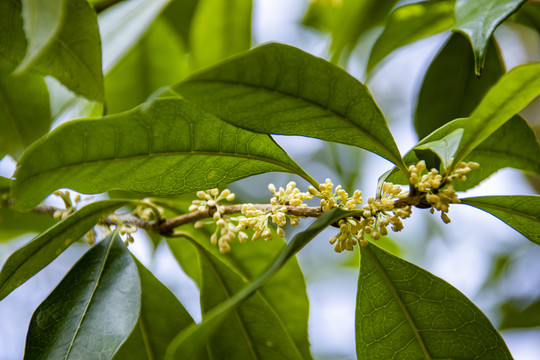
[[329, 111], [98, 278], [399, 301]]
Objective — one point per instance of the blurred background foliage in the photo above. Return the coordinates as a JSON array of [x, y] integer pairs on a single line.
[[422, 76]]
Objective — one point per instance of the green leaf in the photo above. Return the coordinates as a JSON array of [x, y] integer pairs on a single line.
[[219, 29], [529, 15], [516, 89], [14, 223], [12, 39], [163, 148], [405, 312], [321, 15], [179, 14], [498, 151], [410, 23], [519, 212], [444, 148], [241, 336], [92, 311], [279, 89], [25, 114], [43, 249], [162, 316], [191, 340], [516, 316], [42, 21], [72, 50], [353, 19], [450, 89], [285, 293], [157, 60], [478, 19]]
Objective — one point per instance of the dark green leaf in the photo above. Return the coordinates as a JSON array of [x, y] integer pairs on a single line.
[[72, 54], [157, 60], [285, 292], [162, 317], [219, 29], [12, 39], [5, 185], [24, 109], [42, 250], [410, 23], [353, 20], [513, 145], [405, 312], [92, 311], [450, 89], [520, 212], [515, 315], [163, 148], [279, 89], [179, 14], [191, 340], [516, 89], [478, 19], [444, 148]]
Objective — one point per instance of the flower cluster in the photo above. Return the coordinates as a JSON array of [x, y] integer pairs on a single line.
[[335, 198], [374, 219], [438, 188]]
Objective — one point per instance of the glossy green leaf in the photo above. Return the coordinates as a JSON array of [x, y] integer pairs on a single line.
[[43, 249], [353, 19], [24, 109], [516, 316], [162, 316], [405, 312], [519, 212], [157, 60], [42, 21], [285, 292], [410, 23], [93, 309], [164, 148], [450, 89], [279, 89], [190, 341], [515, 90], [513, 145], [73, 52], [478, 19], [219, 29], [241, 336], [444, 148]]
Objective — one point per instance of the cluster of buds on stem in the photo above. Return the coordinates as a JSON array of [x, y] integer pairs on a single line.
[[70, 206]]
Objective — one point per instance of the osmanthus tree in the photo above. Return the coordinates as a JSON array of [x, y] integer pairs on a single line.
[[163, 110]]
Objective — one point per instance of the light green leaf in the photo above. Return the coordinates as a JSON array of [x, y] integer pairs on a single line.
[[498, 151], [163, 148], [43, 249], [285, 293], [73, 52], [410, 23], [190, 341], [519, 212], [450, 89], [444, 148], [478, 19], [321, 15], [162, 316], [405, 312], [353, 19], [25, 114], [42, 21], [92, 311], [515, 90], [122, 25], [157, 60], [278, 89], [219, 29]]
